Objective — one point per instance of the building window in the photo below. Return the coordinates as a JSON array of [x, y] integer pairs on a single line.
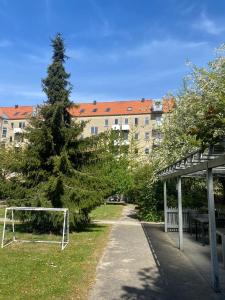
[[129, 108], [125, 135], [158, 135], [147, 136], [94, 109], [136, 121], [126, 121], [116, 121], [5, 121], [17, 137], [158, 120], [4, 132], [136, 136], [94, 130], [107, 109], [21, 124], [82, 110], [106, 122], [12, 125], [146, 150], [146, 120]]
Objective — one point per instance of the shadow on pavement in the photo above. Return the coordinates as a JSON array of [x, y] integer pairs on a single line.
[[152, 287], [175, 277]]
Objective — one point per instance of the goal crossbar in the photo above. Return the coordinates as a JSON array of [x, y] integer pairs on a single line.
[[65, 233]]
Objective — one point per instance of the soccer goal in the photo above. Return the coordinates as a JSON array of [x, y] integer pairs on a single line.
[[9, 217]]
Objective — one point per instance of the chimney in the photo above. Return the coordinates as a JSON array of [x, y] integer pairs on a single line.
[[94, 102], [16, 106], [142, 99]]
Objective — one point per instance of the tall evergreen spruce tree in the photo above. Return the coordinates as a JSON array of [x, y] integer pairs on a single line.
[[57, 164]]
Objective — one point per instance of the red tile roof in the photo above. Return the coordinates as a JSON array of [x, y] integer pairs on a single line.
[[16, 112], [132, 107], [168, 105]]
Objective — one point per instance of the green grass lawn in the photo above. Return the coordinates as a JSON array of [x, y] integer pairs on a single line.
[[43, 271], [107, 212]]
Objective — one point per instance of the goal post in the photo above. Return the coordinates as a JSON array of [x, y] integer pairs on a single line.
[[65, 225]]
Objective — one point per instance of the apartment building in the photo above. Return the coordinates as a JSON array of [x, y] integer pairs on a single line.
[[13, 120], [139, 121]]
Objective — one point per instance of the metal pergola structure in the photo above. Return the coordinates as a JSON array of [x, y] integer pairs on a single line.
[[207, 163]]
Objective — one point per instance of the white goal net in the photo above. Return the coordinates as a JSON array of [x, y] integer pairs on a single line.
[[9, 218]]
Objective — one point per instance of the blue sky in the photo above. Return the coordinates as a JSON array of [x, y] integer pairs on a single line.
[[118, 49]]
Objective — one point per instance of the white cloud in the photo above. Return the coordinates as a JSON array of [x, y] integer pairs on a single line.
[[21, 91], [39, 59], [30, 94], [185, 10], [145, 50], [208, 25], [167, 45]]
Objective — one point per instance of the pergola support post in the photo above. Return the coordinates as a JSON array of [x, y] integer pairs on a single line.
[[212, 232], [165, 205], [180, 216]]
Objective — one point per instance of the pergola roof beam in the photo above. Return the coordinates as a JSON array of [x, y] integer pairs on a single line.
[[194, 163]]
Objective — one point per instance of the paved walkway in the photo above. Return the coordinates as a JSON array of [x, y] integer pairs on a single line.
[[141, 262]]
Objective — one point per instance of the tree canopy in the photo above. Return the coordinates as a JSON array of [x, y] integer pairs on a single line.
[[198, 119], [58, 166]]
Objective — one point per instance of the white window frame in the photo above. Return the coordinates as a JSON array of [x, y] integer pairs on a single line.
[[4, 135], [136, 121], [146, 120], [136, 136], [22, 125], [126, 135], [147, 151], [65, 234], [94, 130], [106, 123], [158, 120], [147, 136]]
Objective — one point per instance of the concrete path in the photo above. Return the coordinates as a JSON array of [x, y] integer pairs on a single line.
[[141, 262], [127, 265]]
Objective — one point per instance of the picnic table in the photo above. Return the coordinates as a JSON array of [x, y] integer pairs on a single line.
[[203, 222]]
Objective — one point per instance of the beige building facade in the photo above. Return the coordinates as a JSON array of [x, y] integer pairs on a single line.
[[13, 120], [138, 121]]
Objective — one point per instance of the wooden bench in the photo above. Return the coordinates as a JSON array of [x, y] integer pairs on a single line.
[[221, 232]]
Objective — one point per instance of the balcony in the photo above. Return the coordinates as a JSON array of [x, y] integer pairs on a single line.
[[115, 127], [126, 143], [17, 130], [126, 127], [157, 107], [121, 143]]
